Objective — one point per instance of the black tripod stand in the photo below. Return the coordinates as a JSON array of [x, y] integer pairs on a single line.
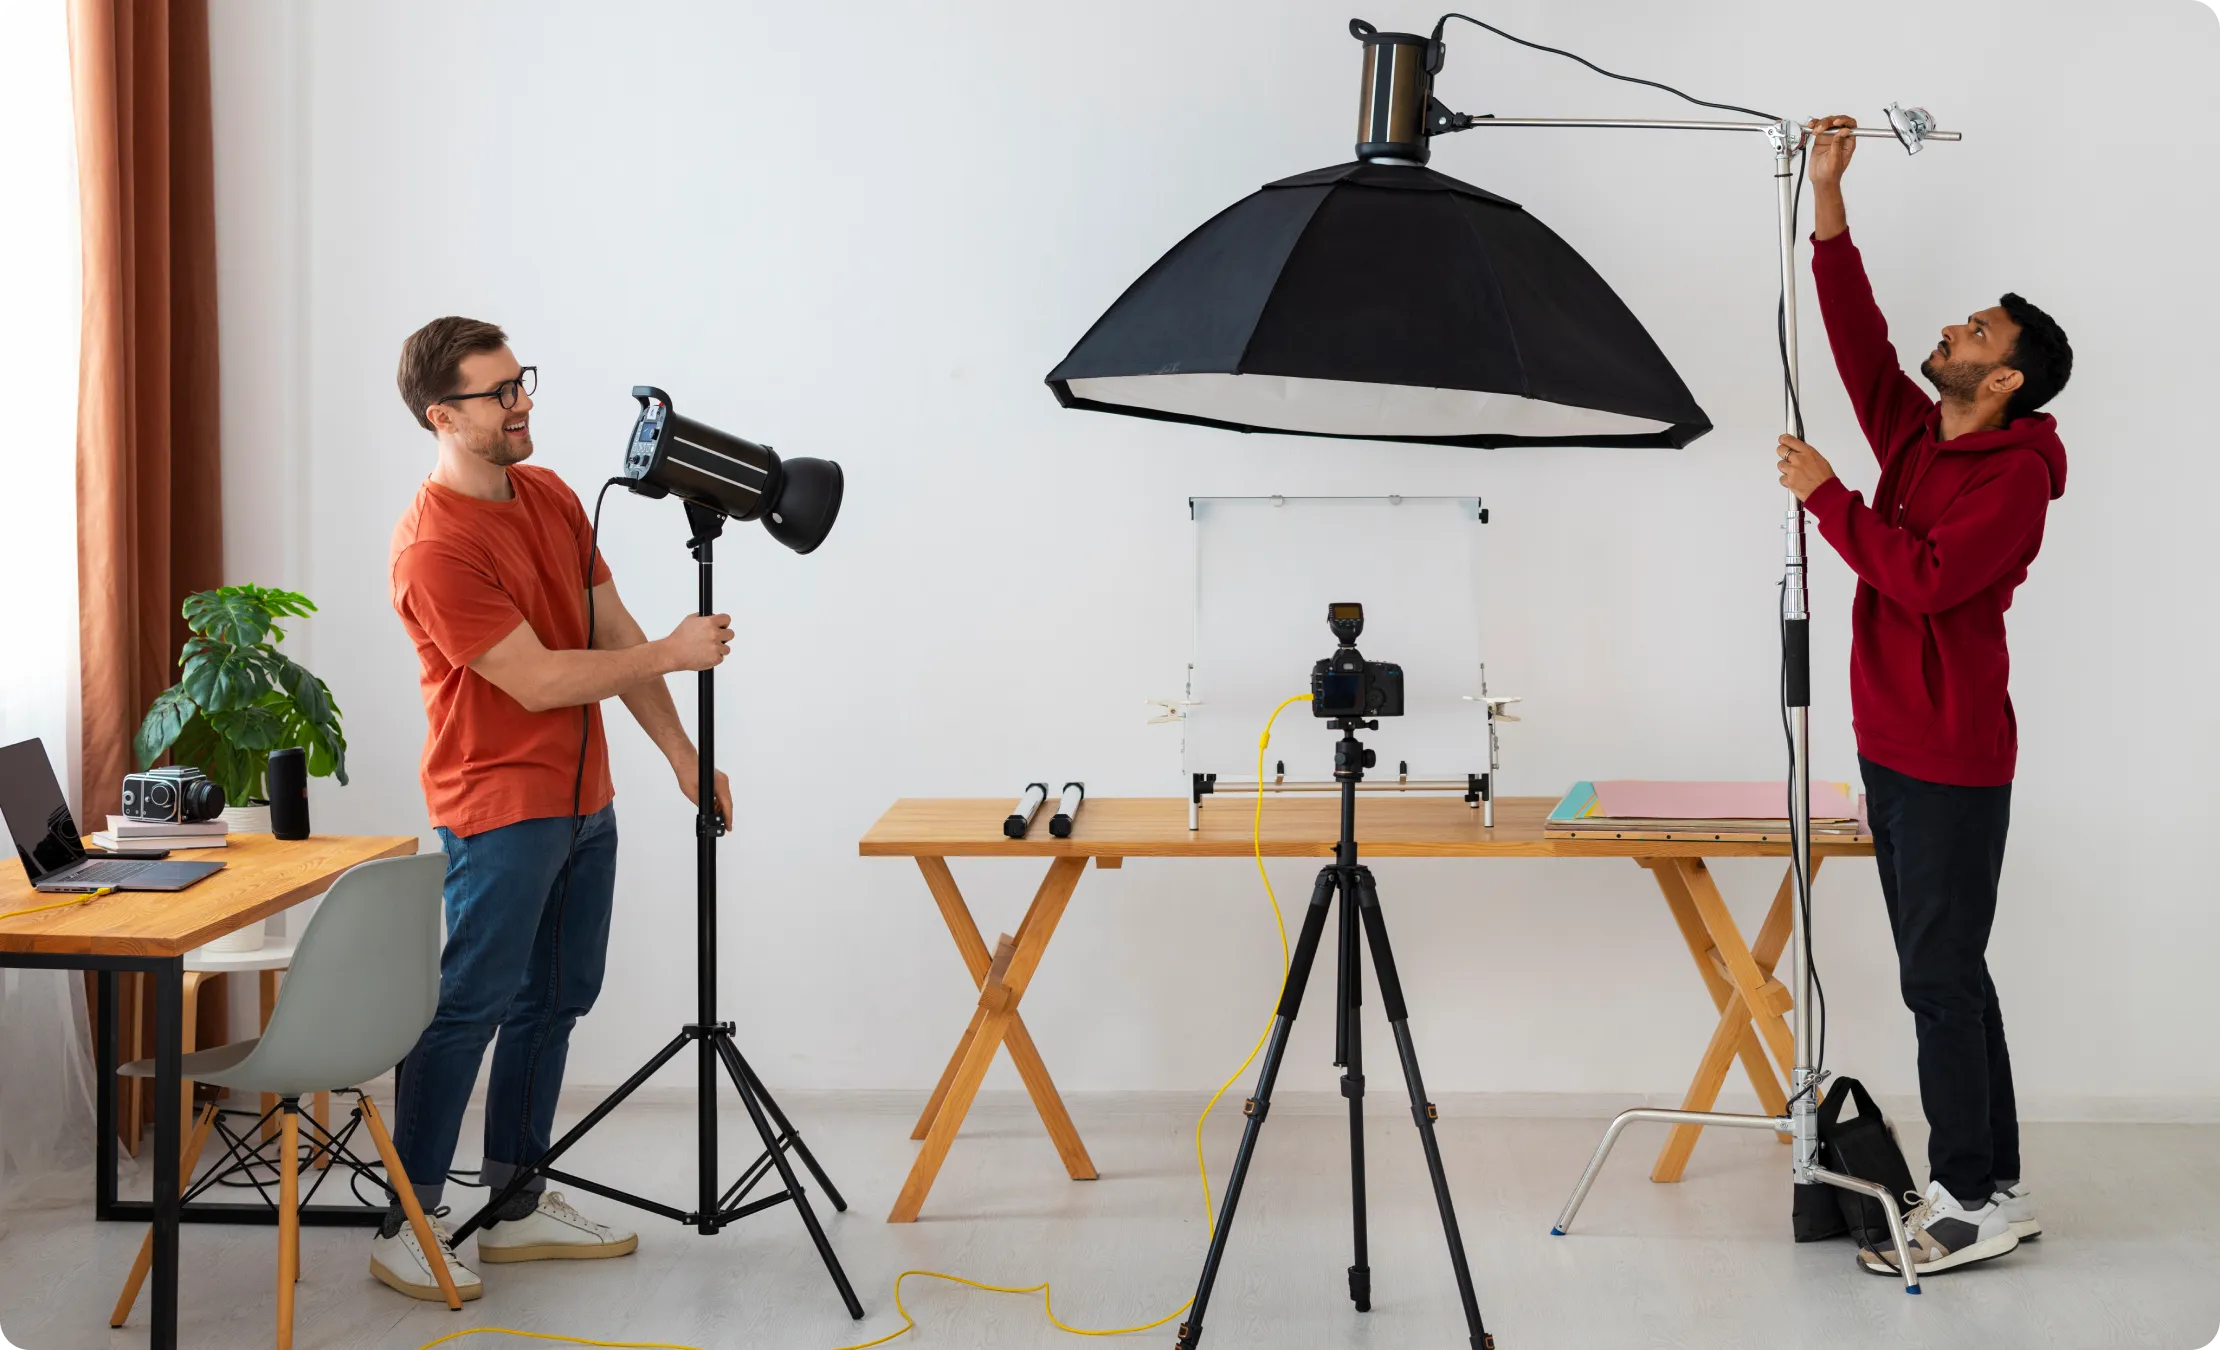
[[1361, 922], [711, 1038]]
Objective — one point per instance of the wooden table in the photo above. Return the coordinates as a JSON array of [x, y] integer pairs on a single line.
[[149, 932], [1737, 975]]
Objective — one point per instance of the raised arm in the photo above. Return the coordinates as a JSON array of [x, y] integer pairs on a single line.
[[1891, 408]]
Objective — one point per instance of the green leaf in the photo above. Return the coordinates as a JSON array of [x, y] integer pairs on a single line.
[[291, 603], [234, 614], [200, 745], [307, 692], [171, 710], [256, 728], [318, 720], [220, 679]]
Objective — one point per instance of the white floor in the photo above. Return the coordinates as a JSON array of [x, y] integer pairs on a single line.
[[2132, 1258]]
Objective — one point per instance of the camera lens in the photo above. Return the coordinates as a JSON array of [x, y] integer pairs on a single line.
[[201, 799]]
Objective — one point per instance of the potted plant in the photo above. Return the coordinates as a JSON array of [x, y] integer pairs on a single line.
[[238, 697]]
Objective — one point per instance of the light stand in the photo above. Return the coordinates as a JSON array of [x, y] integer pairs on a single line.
[[1801, 1123], [1361, 923], [712, 1039]]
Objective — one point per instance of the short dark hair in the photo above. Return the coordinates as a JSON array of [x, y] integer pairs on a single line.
[[2042, 356], [431, 359]]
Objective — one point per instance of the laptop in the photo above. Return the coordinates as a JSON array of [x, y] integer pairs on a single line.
[[46, 837]]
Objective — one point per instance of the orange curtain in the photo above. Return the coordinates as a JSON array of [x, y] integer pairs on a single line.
[[149, 496]]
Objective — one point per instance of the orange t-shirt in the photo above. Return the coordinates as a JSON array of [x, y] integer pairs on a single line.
[[466, 572]]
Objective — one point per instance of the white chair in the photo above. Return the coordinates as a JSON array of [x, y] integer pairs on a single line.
[[267, 963], [364, 984]]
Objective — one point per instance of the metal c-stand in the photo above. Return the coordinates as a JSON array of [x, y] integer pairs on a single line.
[[712, 1038], [1360, 905]]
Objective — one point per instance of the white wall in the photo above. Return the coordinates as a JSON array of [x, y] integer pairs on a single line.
[[866, 231]]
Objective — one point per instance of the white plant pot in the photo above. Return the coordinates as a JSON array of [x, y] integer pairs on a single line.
[[247, 939], [253, 819]]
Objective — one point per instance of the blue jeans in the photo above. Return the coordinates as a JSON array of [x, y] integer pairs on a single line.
[[522, 960]]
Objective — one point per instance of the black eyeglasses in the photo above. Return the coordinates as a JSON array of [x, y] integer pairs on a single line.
[[527, 380]]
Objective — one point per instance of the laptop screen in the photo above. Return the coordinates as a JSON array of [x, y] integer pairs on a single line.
[[38, 817]]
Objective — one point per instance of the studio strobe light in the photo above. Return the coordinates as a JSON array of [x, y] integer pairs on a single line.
[[796, 499]]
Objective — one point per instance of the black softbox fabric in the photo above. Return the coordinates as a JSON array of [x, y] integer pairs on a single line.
[[1385, 303]]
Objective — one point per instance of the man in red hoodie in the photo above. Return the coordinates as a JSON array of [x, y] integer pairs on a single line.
[[1955, 520]]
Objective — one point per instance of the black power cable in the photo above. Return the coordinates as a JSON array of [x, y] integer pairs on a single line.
[[1803, 874], [577, 797], [1574, 56], [1796, 414]]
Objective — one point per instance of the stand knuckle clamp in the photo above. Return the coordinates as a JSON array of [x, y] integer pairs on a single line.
[[1255, 1109]]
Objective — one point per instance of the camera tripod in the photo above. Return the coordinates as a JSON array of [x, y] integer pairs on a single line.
[[715, 1047], [1361, 923]]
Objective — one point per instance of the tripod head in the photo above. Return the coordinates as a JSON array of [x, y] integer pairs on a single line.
[[1351, 758]]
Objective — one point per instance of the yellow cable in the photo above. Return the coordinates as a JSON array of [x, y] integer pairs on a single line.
[[1048, 1306], [86, 898]]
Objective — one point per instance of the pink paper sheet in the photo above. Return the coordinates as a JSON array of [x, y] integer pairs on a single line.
[[1717, 801]]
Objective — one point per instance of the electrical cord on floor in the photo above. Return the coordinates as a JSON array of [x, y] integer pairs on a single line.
[[1048, 1307]]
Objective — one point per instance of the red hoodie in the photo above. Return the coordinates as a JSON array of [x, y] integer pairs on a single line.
[[1948, 538]]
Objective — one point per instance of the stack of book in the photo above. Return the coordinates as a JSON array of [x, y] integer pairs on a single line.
[[1757, 812], [124, 832]]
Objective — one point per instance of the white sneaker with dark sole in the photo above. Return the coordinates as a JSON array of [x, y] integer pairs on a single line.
[[553, 1232], [398, 1263], [1945, 1235], [2018, 1205]]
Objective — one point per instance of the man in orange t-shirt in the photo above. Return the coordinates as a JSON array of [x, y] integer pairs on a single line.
[[491, 568]]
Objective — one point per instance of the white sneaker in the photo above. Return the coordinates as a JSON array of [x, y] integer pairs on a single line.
[[398, 1263], [1945, 1235], [552, 1232], [2018, 1205]]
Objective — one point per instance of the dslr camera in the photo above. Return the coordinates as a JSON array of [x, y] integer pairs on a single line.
[[1347, 685], [181, 794]]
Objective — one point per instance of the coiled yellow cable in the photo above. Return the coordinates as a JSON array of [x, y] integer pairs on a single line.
[[1048, 1306]]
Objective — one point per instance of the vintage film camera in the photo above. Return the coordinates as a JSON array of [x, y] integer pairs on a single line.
[[1347, 685], [180, 794]]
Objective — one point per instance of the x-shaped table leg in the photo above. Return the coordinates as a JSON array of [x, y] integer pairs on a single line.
[[1739, 980], [1002, 978]]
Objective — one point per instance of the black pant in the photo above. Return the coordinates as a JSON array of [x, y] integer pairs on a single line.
[[1940, 849]]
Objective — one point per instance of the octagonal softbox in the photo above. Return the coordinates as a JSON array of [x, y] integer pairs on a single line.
[[1383, 302]]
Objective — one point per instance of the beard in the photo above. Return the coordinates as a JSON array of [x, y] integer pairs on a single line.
[[500, 449], [1958, 380]]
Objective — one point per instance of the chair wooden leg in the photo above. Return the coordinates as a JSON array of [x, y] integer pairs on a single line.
[[421, 1226], [193, 1145], [322, 1160], [289, 1221], [269, 994]]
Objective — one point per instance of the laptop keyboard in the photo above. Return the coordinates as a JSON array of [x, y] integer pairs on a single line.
[[105, 872]]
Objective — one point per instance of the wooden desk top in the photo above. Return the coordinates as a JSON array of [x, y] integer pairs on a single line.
[[266, 874], [1294, 827]]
